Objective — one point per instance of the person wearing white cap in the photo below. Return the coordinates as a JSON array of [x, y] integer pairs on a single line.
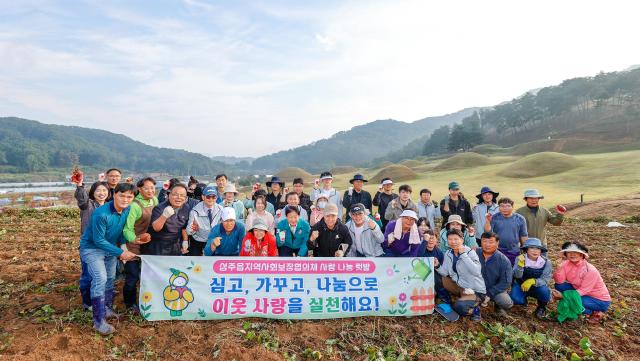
[[330, 237], [259, 242], [334, 197], [225, 239], [230, 194], [537, 217], [202, 218], [575, 273], [383, 197], [401, 237]]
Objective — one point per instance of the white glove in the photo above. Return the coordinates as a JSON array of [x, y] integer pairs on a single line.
[[391, 238], [168, 212], [185, 244], [467, 291]]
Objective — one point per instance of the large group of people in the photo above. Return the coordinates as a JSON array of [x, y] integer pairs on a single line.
[[483, 253]]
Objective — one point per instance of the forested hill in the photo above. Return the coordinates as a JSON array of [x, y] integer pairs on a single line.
[[579, 115], [358, 145], [31, 146]]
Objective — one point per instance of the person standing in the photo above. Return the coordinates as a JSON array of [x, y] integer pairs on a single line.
[[99, 250], [136, 233], [356, 194], [537, 217], [487, 203], [511, 228], [455, 203], [383, 197]]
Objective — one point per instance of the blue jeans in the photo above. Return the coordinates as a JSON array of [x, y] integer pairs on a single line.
[[542, 294], [101, 268], [589, 303]]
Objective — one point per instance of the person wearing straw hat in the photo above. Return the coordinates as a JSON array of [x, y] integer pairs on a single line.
[[401, 236], [202, 218], [537, 217], [383, 197], [230, 194], [326, 178], [531, 276], [455, 222], [576, 273], [487, 203], [365, 233], [355, 194], [259, 242], [225, 238], [510, 226], [330, 237], [277, 196]]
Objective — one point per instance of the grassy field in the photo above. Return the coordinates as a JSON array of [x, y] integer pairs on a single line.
[[598, 176]]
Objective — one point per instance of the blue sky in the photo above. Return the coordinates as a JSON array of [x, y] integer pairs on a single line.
[[250, 78]]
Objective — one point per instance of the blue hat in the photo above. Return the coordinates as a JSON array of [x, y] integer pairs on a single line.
[[210, 190], [454, 185], [275, 180], [486, 189], [533, 243], [357, 177], [533, 193]]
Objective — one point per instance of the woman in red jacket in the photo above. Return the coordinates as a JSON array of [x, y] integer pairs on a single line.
[[259, 242]]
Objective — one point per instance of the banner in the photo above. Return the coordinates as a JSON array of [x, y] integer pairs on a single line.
[[211, 288]]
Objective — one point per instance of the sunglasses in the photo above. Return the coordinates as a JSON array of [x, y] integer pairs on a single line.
[[213, 196]]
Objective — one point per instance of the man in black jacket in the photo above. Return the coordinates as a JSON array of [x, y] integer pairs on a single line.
[[383, 197], [455, 203], [305, 199], [356, 195], [329, 237]]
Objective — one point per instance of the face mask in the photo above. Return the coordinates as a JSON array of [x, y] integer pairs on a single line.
[[321, 205]]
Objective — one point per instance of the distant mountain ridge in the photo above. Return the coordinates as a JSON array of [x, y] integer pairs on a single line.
[[30, 146], [357, 146]]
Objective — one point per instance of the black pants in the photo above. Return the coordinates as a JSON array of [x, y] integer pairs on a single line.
[[131, 278], [196, 248], [285, 251]]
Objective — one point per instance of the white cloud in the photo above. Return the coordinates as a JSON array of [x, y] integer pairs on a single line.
[[266, 77]]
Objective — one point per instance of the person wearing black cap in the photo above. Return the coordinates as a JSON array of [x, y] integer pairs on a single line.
[[487, 203], [332, 194], [383, 197], [305, 199], [276, 197], [356, 194]]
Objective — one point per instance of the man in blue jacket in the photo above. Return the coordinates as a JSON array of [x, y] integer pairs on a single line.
[[99, 249], [496, 272]]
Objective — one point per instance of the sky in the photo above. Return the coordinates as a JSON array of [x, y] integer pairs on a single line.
[[240, 78]]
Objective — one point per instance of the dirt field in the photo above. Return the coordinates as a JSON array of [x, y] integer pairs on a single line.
[[41, 316]]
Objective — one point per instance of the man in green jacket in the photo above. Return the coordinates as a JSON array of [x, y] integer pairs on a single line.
[[537, 217]]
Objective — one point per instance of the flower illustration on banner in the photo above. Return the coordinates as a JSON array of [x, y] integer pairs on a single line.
[[196, 268], [145, 306], [403, 305], [392, 270], [393, 301]]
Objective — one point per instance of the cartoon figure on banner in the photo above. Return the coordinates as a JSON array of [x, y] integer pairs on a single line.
[[421, 270], [177, 296]]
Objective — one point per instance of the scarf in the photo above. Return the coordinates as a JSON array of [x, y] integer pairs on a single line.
[[414, 236]]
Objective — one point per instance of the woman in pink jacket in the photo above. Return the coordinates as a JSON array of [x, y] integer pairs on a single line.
[[575, 273]]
